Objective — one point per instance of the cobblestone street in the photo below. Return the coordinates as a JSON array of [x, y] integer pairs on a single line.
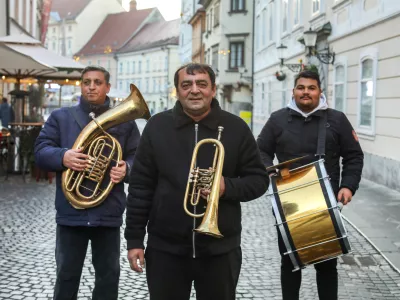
[[27, 266]]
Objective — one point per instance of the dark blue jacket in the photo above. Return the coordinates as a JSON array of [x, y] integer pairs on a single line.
[[57, 136], [6, 114]]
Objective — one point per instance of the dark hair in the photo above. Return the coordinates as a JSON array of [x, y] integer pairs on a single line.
[[308, 74], [191, 68], [97, 68], [5, 100]]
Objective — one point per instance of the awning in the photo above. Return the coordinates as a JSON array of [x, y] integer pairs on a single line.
[[22, 56]]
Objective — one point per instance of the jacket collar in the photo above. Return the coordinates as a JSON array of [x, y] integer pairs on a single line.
[[211, 120], [97, 109], [317, 113]]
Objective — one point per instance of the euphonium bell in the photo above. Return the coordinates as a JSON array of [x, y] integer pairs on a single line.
[[89, 188], [209, 179]]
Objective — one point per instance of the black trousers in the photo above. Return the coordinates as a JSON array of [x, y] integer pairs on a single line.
[[327, 277], [71, 247], [170, 277]]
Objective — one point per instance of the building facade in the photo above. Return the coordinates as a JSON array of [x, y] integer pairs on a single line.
[[228, 43], [361, 80], [149, 60], [198, 23], [72, 23], [114, 33], [188, 10]]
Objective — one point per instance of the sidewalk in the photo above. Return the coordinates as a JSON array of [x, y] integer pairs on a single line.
[[27, 241], [375, 211]]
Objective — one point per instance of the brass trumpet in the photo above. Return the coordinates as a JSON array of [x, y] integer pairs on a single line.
[[209, 179]]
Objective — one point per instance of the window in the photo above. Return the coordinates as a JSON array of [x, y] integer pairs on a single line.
[[121, 67], [316, 6], [262, 98], [140, 67], [216, 14], [214, 58], [154, 85], [237, 5], [133, 67], [108, 65], [296, 12], [120, 85], [236, 55], [271, 24], [54, 30], [147, 85], [99, 62], [166, 64], [367, 93], [264, 20], [259, 31], [128, 67], [69, 28], [269, 97], [284, 15], [339, 88], [284, 93], [148, 65], [53, 45]]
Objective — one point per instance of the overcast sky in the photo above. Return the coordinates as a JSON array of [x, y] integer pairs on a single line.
[[170, 9]]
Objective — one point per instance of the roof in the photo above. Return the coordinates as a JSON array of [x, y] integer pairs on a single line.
[[154, 35], [115, 31], [69, 9]]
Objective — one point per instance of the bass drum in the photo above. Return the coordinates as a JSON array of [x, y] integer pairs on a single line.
[[308, 216]]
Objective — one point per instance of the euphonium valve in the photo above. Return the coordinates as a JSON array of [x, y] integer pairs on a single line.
[[209, 179]]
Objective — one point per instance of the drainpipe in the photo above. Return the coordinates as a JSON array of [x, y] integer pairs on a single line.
[[8, 17], [252, 68]]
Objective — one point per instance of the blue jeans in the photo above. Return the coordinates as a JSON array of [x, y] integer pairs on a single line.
[[71, 247]]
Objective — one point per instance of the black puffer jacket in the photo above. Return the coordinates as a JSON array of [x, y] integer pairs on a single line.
[[160, 174], [288, 135]]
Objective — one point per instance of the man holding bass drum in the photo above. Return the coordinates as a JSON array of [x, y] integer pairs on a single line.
[[320, 136]]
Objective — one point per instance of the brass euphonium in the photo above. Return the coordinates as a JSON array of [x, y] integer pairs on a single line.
[[209, 179], [89, 188]]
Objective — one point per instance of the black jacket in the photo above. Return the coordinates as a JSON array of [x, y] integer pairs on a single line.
[[288, 135], [160, 174]]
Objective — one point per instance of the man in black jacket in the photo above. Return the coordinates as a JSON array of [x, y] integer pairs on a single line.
[[293, 132], [176, 255]]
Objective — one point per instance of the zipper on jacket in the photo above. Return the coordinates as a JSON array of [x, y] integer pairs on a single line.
[[196, 130]]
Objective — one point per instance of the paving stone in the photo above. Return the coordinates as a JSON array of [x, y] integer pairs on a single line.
[[27, 266]]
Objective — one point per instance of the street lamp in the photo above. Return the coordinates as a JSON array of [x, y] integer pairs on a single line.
[[243, 70], [282, 49], [310, 40]]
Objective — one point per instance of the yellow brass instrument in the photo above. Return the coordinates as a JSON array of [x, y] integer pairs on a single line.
[[89, 188], [209, 179]]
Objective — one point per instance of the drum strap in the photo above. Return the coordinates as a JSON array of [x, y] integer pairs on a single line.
[[322, 134]]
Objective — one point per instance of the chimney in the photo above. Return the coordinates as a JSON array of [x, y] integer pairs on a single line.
[[132, 5]]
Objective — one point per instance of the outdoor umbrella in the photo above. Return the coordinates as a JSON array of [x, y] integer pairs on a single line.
[[21, 56]]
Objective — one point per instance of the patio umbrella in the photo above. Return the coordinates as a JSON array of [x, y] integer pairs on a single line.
[[21, 56]]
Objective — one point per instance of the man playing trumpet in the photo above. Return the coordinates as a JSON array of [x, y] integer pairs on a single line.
[[176, 255]]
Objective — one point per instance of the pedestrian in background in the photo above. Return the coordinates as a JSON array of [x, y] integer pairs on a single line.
[[176, 255], [292, 132], [100, 224], [7, 114]]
